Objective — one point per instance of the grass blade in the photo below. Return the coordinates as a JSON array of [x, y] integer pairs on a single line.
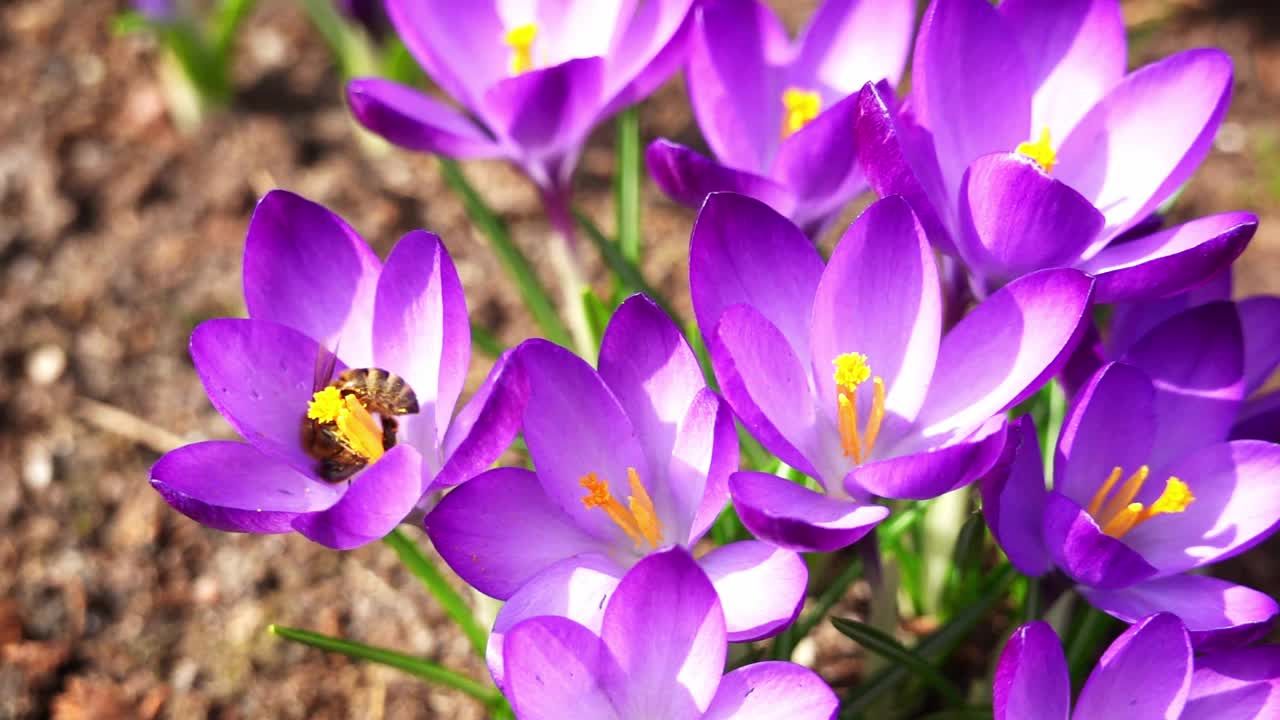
[[627, 183], [454, 606], [886, 646], [624, 269]]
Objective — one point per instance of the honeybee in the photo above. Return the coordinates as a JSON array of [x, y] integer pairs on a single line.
[[382, 393]]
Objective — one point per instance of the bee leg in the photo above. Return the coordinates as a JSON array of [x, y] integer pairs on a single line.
[[389, 429]]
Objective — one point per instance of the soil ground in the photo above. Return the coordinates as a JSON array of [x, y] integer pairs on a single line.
[[118, 234]]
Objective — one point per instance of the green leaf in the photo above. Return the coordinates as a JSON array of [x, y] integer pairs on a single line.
[[1088, 635], [532, 291], [625, 270], [934, 648], [226, 23], [785, 644], [886, 646], [452, 603], [597, 315], [488, 343], [131, 21], [424, 669], [627, 183]]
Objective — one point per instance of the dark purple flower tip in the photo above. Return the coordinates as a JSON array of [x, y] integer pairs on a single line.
[[688, 177], [792, 516], [413, 120], [1014, 498]]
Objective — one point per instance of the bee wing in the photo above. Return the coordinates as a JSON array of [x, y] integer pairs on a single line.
[[326, 360]]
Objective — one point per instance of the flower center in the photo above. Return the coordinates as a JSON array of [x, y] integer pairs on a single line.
[[520, 40], [1116, 512], [1041, 151], [852, 370], [799, 108], [639, 521], [355, 426]]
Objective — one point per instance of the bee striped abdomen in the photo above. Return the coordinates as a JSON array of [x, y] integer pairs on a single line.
[[382, 392]]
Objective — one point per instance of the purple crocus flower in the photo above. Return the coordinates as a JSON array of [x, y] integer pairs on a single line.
[[159, 11], [1025, 146], [1146, 486], [313, 287], [1148, 672], [777, 114], [659, 652], [631, 459], [533, 79], [843, 371]]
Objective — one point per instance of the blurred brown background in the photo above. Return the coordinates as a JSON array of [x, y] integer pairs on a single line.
[[118, 234]]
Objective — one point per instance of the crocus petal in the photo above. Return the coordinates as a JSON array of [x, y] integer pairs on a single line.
[[500, 529], [924, 474], [688, 177], [231, 486], [880, 297], [651, 45], [1075, 53], [260, 376], [1005, 348], [898, 158], [1197, 394], [486, 425], [743, 252], [440, 33], [1013, 500], [766, 385], [1235, 685], [421, 332], [575, 588], [1031, 680], [850, 42], [1172, 260], [734, 93], [553, 664], [761, 587], [1015, 218], [1084, 553], [1145, 138], [416, 121], [1146, 673], [1111, 423], [549, 110], [1131, 320], [1259, 419], [792, 516], [819, 164], [377, 499], [665, 627], [1237, 505], [1260, 324], [969, 85], [574, 426], [1218, 613], [306, 268], [653, 373], [706, 452], [772, 691]]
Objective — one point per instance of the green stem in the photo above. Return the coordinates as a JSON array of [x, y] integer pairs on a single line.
[[350, 46], [627, 183], [626, 271], [1034, 605], [942, 523], [488, 343], [227, 22], [454, 606], [1087, 640], [532, 291], [424, 669], [1053, 425]]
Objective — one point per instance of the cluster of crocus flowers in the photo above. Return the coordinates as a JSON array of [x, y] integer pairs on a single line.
[[1147, 486], [1150, 671], [318, 297], [533, 79], [629, 459], [658, 652], [1025, 146], [844, 372], [777, 113]]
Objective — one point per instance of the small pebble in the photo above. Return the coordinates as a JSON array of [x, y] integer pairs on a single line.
[[46, 364], [37, 466], [1232, 138]]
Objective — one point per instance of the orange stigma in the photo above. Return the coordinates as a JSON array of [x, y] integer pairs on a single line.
[[1041, 151], [799, 108], [639, 521], [852, 370], [520, 40], [1116, 512]]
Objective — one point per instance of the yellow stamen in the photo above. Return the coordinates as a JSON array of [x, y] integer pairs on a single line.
[[520, 40], [357, 428], [852, 370], [1041, 151], [800, 107], [640, 522], [1120, 514]]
